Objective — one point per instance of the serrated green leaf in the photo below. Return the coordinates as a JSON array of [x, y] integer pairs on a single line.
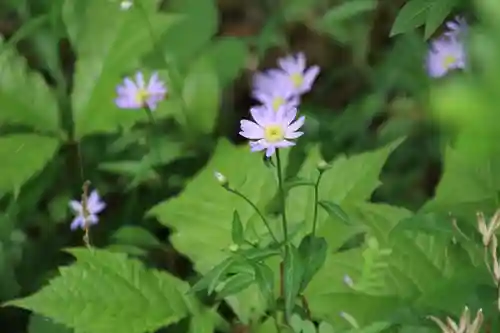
[[437, 14], [413, 15], [40, 324], [106, 292], [468, 184], [328, 290], [237, 231], [201, 215], [430, 223], [293, 273], [131, 250], [37, 109], [375, 267], [135, 235], [313, 251], [334, 210], [110, 45], [201, 95], [349, 179], [23, 156]]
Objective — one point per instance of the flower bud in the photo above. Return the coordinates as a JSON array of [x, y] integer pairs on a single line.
[[221, 179], [322, 166], [348, 281], [126, 4]]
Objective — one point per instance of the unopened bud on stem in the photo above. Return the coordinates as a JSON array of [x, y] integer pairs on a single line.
[[221, 179], [322, 166]]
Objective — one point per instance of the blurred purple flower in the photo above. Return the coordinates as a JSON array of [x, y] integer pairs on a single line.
[[458, 26], [271, 130], [300, 77], [275, 90], [94, 206], [266, 80], [136, 95], [445, 54]]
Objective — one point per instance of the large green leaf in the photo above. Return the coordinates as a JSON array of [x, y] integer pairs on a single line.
[[349, 180], [437, 14], [109, 45], [24, 96], [349, 183], [469, 183], [107, 292], [40, 324], [201, 95], [23, 156], [201, 215]]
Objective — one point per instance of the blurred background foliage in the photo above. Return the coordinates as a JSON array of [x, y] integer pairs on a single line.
[[372, 89]]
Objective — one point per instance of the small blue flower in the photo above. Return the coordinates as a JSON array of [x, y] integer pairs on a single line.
[[274, 89], [302, 78], [458, 27], [94, 206], [445, 54], [136, 95], [271, 130]]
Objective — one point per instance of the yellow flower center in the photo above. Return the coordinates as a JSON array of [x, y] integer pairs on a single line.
[[274, 133], [297, 79], [449, 60], [277, 103], [142, 95]]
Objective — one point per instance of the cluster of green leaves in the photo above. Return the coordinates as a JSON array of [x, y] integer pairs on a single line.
[[428, 13], [416, 262], [403, 265], [58, 121], [109, 44]]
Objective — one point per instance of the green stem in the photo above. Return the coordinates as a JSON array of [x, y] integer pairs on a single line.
[[284, 224], [282, 198], [152, 141], [316, 199], [257, 210]]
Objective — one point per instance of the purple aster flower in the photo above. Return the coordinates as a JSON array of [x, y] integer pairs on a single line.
[[445, 54], [136, 95], [271, 130], [94, 206], [266, 80], [300, 77], [458, 26], [275, 90]]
